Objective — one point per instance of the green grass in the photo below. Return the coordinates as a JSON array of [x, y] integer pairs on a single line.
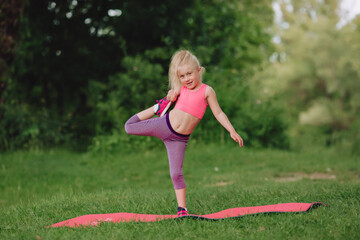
[[39, 188]]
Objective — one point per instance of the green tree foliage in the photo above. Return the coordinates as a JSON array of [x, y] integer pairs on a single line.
[[66, 45], [230, 40], [83, 67], [317, 72], [9, 24]]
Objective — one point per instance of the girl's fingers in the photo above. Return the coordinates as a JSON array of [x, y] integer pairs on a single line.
[[238, 139], [241, 142]]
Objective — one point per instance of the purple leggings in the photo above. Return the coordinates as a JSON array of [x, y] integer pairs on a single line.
[[175, 142]]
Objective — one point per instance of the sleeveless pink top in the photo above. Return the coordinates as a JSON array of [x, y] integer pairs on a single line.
[[192, 102]]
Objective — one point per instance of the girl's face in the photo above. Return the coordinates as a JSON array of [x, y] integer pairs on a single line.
[[189, 76]]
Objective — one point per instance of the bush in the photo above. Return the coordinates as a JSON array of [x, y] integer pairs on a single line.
[[260, 123], [127, 93], [307, 136], [121, 141], [21, 127]]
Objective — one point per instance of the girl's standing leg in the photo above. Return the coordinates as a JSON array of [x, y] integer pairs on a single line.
[[175, 147], [175, 143], [181, 197]]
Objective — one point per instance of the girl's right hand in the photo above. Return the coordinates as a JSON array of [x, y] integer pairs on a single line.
[[171, 96], [237, 138]]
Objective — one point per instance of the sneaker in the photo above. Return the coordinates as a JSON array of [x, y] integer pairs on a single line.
[[182, 212], [161, 107]]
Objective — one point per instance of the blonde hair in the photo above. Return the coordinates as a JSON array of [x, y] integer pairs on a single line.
[[180, 58]]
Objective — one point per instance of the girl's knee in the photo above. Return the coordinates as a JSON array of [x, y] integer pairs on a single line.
[[178, 179], [176, 176], [128, 125]]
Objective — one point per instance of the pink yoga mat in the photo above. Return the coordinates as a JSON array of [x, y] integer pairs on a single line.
[[96, 219]]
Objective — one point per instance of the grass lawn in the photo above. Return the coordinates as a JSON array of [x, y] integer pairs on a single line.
[[39, 188]]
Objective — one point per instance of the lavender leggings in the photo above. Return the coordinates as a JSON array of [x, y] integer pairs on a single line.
[[175, 142]]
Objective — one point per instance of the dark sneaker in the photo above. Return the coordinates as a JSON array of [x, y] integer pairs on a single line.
[[161, 107], [182, 212]]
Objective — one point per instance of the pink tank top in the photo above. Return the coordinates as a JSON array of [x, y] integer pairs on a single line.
[[192, 102]]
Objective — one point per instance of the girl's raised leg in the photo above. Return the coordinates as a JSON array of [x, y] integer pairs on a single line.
[[144, 124], [146, 114]]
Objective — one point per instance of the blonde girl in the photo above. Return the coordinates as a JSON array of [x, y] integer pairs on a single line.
[[174, 128]]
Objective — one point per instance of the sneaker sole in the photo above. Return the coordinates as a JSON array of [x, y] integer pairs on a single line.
[[165, 110]]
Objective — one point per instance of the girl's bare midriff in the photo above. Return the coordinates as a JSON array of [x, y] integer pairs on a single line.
[[182, 122]]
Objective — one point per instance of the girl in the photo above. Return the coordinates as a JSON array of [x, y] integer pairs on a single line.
[[174, 128]]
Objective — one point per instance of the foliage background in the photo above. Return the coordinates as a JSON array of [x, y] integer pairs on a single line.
[[72, 72]]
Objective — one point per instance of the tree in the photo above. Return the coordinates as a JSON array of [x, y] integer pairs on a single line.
[[9, 24], [319, 70], [79, 60]]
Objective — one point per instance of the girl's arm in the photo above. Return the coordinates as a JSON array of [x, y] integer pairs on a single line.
[[221, 116]]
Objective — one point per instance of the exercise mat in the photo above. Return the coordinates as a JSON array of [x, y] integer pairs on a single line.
[[96, 219]]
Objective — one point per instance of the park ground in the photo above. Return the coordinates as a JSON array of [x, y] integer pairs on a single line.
[[42, 187]]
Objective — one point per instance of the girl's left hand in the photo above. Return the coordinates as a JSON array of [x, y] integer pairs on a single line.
[[171, 96], [236, 137]]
